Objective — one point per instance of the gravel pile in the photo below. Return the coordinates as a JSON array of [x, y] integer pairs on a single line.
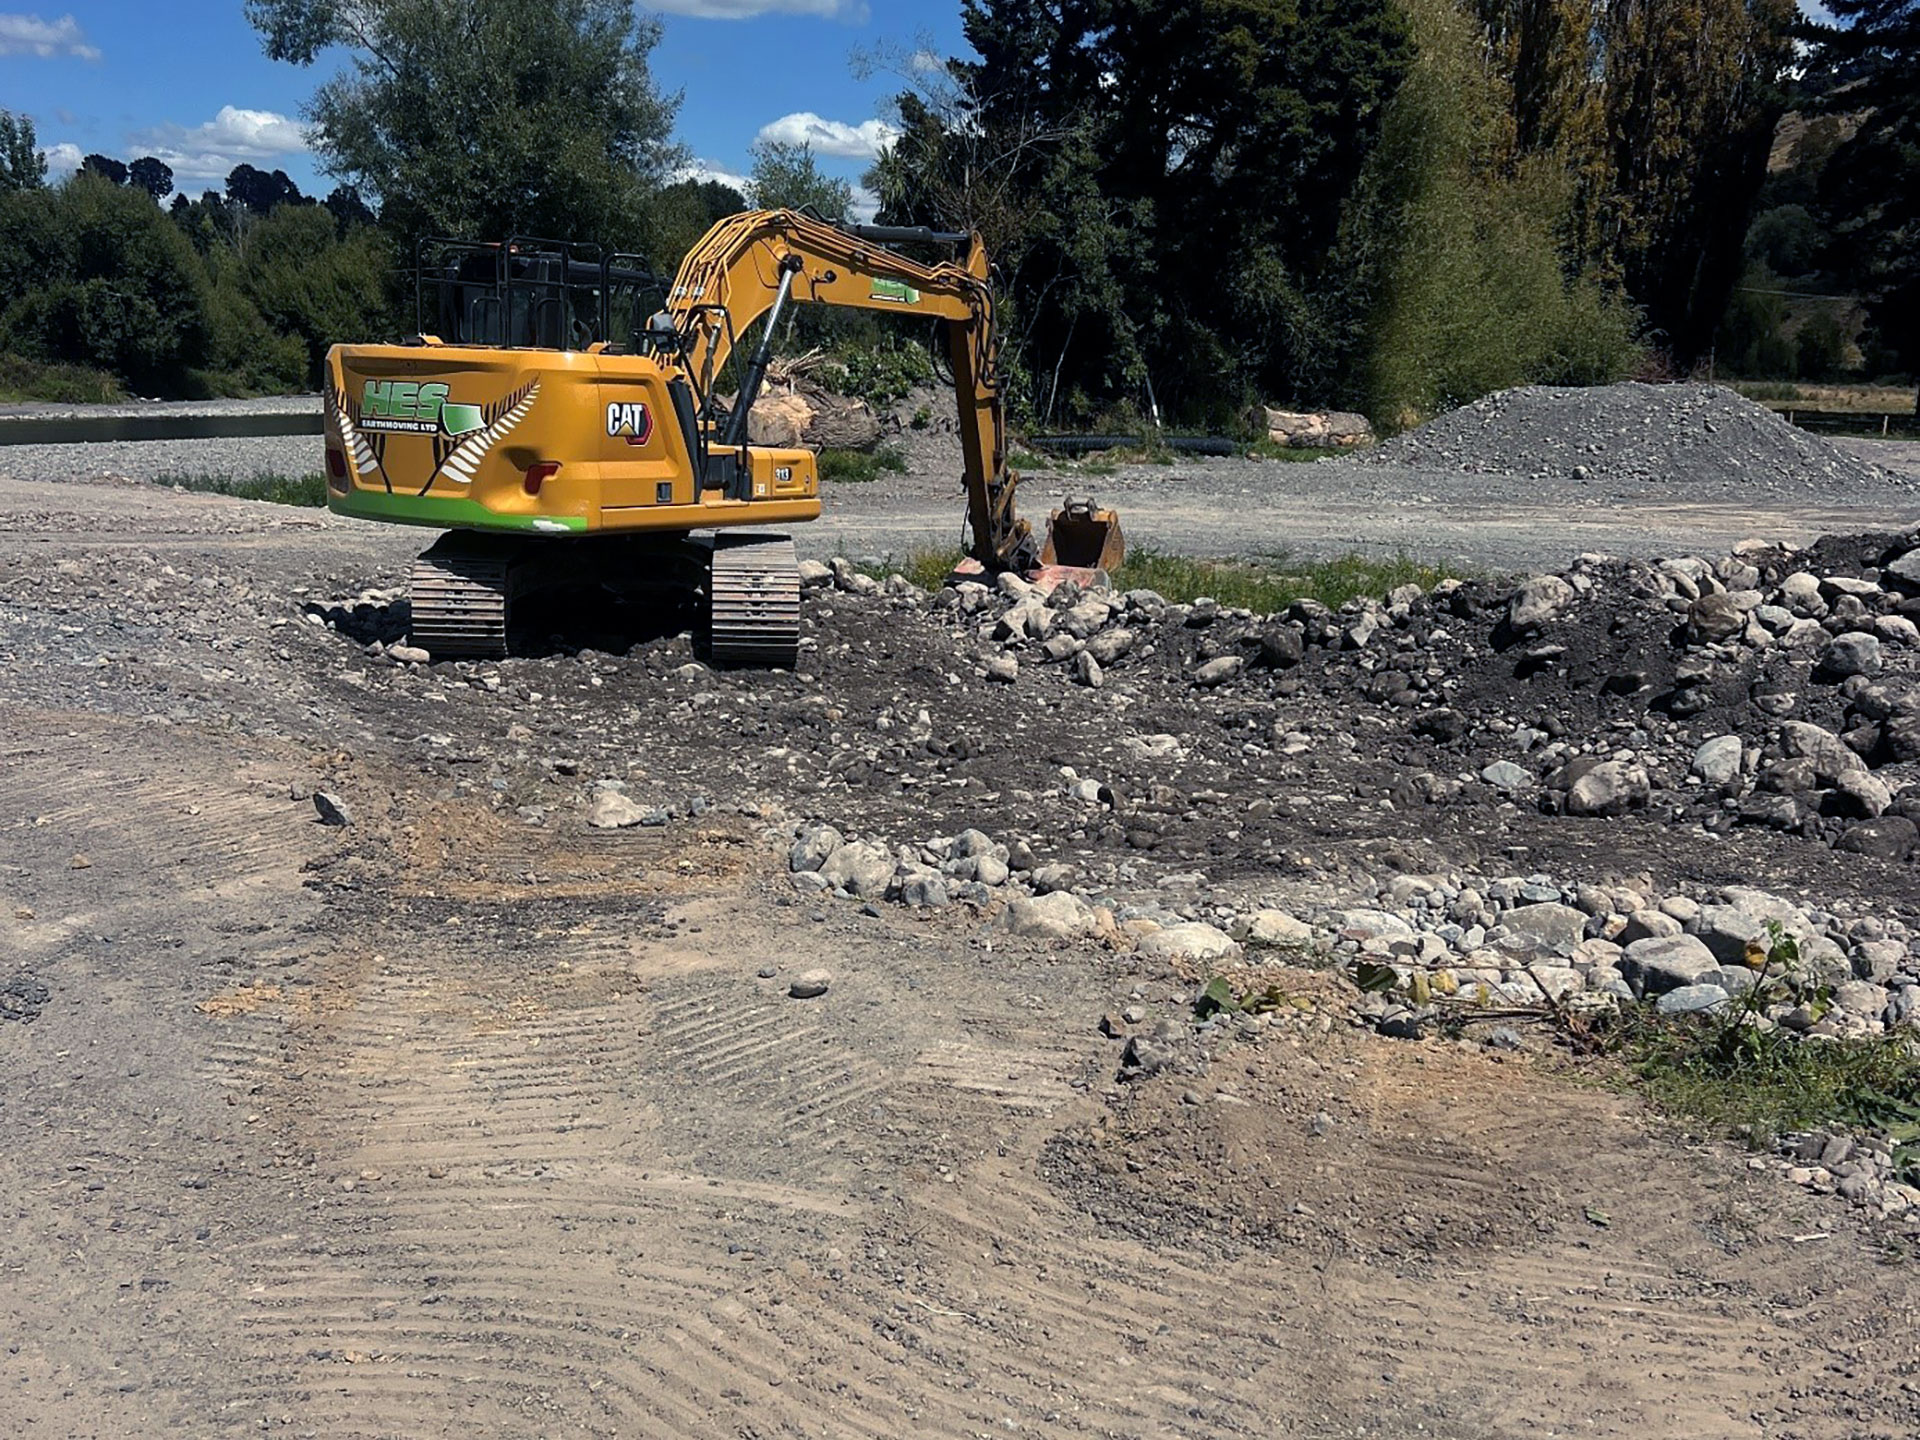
[[1698, 440]]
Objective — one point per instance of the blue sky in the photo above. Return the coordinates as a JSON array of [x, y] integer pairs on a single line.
[[185, 80]]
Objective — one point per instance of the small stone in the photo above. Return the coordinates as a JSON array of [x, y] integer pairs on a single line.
[[1505, 775], [610, 810], [862, 870], [812, 847], [1087, 671], [1856, 653], [1273, 928], [1611, 788], [924, 892], [1539, 600], [810, 985], [1003, 669], [1058, 916], [1109, 646], [1218, 672], [332, 809], [767, 972], [1191, 941], [409, 654], [1692, 999], [1718, 761]]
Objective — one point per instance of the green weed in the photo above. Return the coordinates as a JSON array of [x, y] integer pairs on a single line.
[[304, 490], [1734, 1077], [1272, 582], [859, 467], [1267, 449]]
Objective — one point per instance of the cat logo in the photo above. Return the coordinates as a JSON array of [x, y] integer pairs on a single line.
[[630, 420]]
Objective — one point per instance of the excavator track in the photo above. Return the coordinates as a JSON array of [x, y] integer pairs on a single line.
[[754, 598], [459, 593]]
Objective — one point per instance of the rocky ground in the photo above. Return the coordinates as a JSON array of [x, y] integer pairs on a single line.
[[398, 1048]]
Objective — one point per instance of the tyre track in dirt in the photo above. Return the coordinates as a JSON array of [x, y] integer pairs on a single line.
[[673, 1202]]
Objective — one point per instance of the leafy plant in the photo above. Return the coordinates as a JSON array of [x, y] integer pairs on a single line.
[[309, 491], [859, 467], [1736, 1075]]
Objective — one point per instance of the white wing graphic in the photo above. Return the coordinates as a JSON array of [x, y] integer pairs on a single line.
[[466, 456], [364, 460]]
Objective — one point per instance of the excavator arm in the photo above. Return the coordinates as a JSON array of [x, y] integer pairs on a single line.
[[757, 262]]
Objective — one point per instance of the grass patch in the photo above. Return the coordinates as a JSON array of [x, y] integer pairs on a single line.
[[309, 491], [1262, 585], [1734, 1077], [23, 380], [1273, 582], [859, 467], [1857, 399]]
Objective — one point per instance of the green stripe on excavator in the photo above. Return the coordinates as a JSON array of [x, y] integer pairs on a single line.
[[447, 512]]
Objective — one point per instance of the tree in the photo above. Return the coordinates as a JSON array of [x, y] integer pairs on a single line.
[[1167, 177], [153, 176], [260, 191], [98, 275], [311, 284], [1692, 93], [786, 177], [486, 118], [1870, 188], [114, 172], [685, 211], [349, 211], [1453, 248], [22, 166]]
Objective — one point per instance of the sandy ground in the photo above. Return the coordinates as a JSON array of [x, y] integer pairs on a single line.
[[448, 1124]]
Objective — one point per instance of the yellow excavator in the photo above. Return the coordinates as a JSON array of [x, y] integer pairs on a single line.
[[563, 427]]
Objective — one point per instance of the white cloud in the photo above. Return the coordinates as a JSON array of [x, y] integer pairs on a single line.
[[854, 12], [865, 206], [831, 137], [925, 62], [30, 35], [62, 159], [234, 136], [701, 170]]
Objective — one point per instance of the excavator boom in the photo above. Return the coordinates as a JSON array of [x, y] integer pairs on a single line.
[[755, 262]]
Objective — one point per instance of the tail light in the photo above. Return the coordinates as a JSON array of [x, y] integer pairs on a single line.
[[538, 475], [336, 470]]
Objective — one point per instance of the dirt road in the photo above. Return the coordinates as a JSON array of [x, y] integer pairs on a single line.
[[464, 1119]]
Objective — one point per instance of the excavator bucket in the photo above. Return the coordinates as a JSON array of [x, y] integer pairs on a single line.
[[1082, 536]]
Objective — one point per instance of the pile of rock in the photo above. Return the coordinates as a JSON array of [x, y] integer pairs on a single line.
[[1696, 439], [1859, 1168], [1531, 942], [1768, 687]]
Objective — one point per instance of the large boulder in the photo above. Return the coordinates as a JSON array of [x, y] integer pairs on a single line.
[[1655, 966], [1610, 788], [1192, 941], [1315, 429], [862, 870], [1056, 916]]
